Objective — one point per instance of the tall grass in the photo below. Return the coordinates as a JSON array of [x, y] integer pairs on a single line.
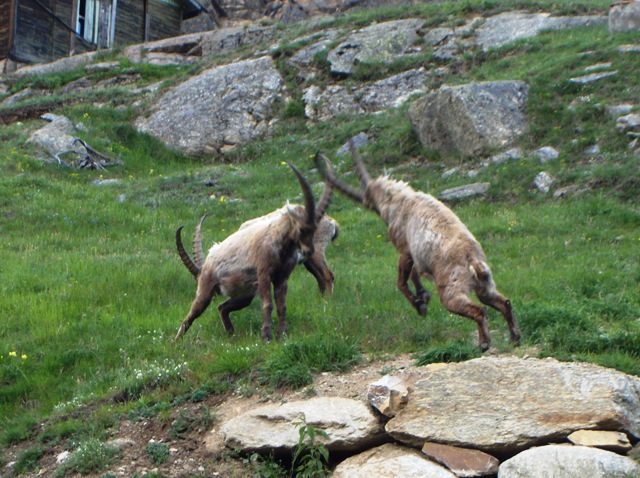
[[92, 290]]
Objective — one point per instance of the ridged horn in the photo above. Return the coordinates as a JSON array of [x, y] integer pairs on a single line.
[[198, 253], [363, 174], [184, 255], [309, 202], [326, 170], [325, 200]]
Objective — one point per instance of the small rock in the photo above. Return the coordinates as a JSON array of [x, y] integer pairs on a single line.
[[598, 67], [359, 141], [543, 182], [62, 457], [450, 172], [511, 155], [465, 191], [618, 110], [464, 462], [546, 153], [104, 66], [606, 440], [388, 395], [121, 443], [569, 190], [593, 77], [592, 150], [628, 49], [629, 122]]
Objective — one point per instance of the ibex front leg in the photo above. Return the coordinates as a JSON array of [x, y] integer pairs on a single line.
[[406, 270], [280, 292], [264, 290]]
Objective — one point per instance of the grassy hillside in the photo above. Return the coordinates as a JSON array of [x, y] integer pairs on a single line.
[[92, 290]]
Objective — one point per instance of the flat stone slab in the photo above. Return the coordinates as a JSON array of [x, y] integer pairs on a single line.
[[524, 403], [350, 425]]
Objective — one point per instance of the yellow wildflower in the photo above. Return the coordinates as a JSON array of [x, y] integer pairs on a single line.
[[13, 354]]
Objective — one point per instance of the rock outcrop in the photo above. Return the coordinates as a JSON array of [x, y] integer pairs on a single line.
[[524, 403], [462, 419], [471, 118], [218, 109]]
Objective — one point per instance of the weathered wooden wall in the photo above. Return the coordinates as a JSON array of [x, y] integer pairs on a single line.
[[34, 34], [129, 22], [39, 36], [165, 19], [5, 28]]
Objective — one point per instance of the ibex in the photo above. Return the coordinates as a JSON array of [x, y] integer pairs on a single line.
[[327, 231], [249, 261], [433, 243]]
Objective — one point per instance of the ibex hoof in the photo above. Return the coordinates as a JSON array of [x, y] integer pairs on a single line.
[[421, 307], [484, 347]]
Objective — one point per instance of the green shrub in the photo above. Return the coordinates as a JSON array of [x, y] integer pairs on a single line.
[[90, 457], [28, 460], [158, 452], [310, 456]]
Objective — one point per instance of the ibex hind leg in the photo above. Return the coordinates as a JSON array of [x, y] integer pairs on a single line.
[[198, 307], [497, 301], [458, 303], [422, 294], [230, 305]]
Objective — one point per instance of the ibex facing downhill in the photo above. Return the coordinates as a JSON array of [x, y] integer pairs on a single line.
[[248, 262], [433, 243]]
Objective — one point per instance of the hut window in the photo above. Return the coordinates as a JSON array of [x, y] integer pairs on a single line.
[[94, 21]]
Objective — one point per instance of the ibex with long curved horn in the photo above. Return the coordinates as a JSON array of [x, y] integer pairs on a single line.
[[433, 243], [248, 262], [327, 232]]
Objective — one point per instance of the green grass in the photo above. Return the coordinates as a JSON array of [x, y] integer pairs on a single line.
[[92, 290]]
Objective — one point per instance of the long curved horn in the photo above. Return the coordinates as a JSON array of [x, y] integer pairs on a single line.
[[184, 255], [327, 172], [198, 253], [309, 202], [325, 200], [365, 177]]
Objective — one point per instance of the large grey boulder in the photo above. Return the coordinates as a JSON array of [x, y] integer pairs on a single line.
[[57, 137], [390, 461], [217, 42], [378, 43], [225, 40], [565, 461], [379, 96], [624, 17], [350, 424], [523, 403], [218, 109], [510, 26], [468, 119]]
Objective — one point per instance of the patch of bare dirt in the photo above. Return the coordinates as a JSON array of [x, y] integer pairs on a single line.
[[197, 450]]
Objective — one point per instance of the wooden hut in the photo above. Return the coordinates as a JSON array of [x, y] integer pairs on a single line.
[[37, 31]]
